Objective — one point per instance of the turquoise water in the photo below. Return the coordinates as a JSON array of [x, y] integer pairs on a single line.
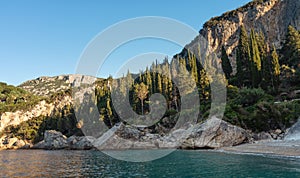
[[39, 163]]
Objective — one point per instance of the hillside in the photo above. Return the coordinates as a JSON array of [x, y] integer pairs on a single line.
[[257, 47]]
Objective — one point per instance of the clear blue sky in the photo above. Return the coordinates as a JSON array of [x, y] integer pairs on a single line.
[[47, 37]]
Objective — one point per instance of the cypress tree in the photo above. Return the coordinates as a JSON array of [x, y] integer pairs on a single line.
[[266, 72], [141, 91], [158, 83], [291, 47], [242, 59], [148, 80], [255, 61], [275, 68], [227, 69]]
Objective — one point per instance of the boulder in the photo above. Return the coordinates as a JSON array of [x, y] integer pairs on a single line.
[[215, 133], [123, 137], [53, 140], [7, 142], [263, 136], [81, 143], [128, 132], [19, 143]]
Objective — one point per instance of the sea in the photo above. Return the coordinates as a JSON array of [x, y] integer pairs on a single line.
[[180, 163]]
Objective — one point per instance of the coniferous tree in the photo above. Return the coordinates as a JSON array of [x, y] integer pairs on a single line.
[[255, 60], [291, 48], [204, 85], [148, 79], [158, 83], [186, 84], [227, 69], [275, 68], [266, 72], [141, 91], [242, 59], [266, 66]]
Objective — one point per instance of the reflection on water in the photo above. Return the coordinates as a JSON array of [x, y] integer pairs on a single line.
[[39, 163]]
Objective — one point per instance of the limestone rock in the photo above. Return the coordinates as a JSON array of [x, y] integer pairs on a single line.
[[271, 17], [19, 143], [128, 132], [215, 133], [10, 142], [53, 140], [122, 137], [7, 142], [81, 143]]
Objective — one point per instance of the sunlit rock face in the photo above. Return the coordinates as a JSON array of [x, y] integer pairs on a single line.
[[271, 17]]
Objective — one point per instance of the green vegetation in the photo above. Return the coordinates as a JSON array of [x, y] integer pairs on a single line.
[[14, 98], [266, 99]]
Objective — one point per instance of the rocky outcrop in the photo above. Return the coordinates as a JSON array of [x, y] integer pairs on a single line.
[[12, 143], [215, 133], [45, 86], [53, 140], [271, 17]]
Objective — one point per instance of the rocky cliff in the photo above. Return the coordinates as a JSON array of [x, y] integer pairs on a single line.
[[43, 108], [272, 17], [45, 86]]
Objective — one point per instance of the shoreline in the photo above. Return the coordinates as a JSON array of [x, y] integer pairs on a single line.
[[277, 148], [280, 148]]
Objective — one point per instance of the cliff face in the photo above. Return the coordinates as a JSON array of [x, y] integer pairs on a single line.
[[43, 108], [272, 17]]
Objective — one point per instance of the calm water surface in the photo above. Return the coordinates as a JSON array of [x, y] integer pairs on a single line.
[[39, 163]]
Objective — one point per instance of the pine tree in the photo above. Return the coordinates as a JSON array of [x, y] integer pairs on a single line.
[[227, 69]]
